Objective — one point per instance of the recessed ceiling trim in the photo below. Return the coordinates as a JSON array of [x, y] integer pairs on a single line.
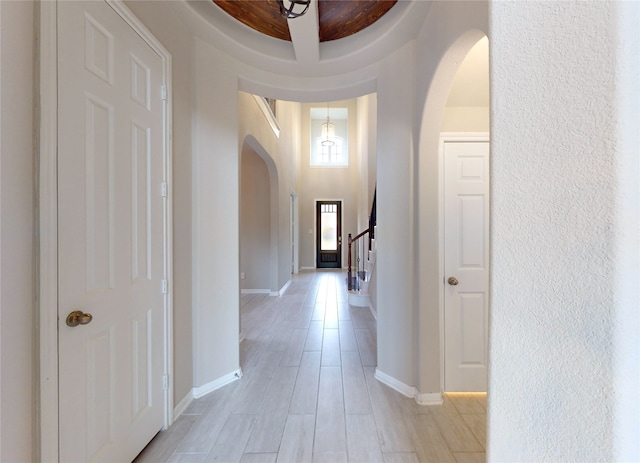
[[305, 94], [338, 57]]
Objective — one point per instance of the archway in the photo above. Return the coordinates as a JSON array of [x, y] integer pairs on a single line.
[[430, 291], [258, 219]]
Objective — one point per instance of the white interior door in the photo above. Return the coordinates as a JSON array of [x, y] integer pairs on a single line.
[[111, 251], [466, 265]]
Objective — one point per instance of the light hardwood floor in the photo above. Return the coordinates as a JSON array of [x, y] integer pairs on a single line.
[[308, 394]]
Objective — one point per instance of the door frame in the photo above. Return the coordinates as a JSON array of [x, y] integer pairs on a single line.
[[315, 229], [446, 137], [294, 239], [47, 224]]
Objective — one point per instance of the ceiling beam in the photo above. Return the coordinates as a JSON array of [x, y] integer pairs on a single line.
[[305, 35]]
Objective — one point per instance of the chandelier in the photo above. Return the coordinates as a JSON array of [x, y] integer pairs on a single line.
[[328, 131], [295, 9]]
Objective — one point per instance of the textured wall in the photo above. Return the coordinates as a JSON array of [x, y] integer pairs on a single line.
[[556, 302], [17, 334]]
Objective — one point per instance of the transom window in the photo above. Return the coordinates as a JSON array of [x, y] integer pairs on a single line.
[[329, 128]]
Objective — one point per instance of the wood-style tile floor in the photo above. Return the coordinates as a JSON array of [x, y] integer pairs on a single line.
[[308, 394]]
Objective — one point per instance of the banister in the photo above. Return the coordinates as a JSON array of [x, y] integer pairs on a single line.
[[359, 235], [370, 231], [349, 261]]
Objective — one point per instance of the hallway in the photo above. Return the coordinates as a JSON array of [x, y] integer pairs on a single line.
[[308, 394]]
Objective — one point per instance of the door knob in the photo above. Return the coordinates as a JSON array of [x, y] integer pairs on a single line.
[[452, 281], [78, 317]]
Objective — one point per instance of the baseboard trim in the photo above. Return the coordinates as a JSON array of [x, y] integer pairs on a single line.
[[429, 398], [282, 290], [182, 405], [255, 291], [205, 389], [307, 268], [372, 309], [393, 383]]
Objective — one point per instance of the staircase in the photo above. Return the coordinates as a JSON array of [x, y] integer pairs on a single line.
[[361, 263], [362, 274]]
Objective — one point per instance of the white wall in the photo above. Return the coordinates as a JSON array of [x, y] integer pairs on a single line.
[[215, 220], [17, 320], [327, 183], [367, 143], [280, 156], [564, 321], [289, 143], [465, 119], [467, 107], [395, 202], [255, 222]]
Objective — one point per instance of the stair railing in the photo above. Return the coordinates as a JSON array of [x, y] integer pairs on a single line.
[[353, 283]]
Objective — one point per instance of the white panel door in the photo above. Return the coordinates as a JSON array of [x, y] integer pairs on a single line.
[[111, 251], [466, 240]]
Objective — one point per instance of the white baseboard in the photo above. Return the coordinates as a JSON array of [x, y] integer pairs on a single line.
[[307, 268], [372, 309], [429, 398], [255, 291], [182, 405], [205, 389], [393, 383], [284, 288]]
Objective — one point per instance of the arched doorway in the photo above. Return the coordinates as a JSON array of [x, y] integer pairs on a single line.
[[258, 219], [465, 115]]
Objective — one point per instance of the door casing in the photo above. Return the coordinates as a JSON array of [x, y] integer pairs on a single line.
[[315, 228], [295, 239], [47, 224], [444, 138]]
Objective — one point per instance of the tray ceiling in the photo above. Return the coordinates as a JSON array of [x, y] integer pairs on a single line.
[[337, 19]]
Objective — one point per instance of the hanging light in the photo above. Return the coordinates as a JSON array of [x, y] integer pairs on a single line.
[[295, 9], [328, 134]]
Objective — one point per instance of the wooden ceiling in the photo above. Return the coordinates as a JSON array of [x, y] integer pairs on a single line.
[[337, 18]]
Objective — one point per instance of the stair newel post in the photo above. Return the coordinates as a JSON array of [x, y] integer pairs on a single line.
[[362, 258], [357, 278], [349, 276]]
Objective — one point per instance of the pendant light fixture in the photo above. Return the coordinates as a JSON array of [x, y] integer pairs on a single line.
[[328, 131], [295, 9]]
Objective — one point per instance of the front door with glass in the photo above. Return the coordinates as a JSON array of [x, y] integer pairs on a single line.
[[328, 234]]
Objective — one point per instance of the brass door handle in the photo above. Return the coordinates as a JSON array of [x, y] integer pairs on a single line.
[[78, 317], [453, 281]]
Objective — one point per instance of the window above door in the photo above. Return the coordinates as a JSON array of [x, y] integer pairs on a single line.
[[329, 137]]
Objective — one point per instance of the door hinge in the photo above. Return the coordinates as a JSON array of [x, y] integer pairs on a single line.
[[164, 190], [163, 92], [164, 286], [165, 382]]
